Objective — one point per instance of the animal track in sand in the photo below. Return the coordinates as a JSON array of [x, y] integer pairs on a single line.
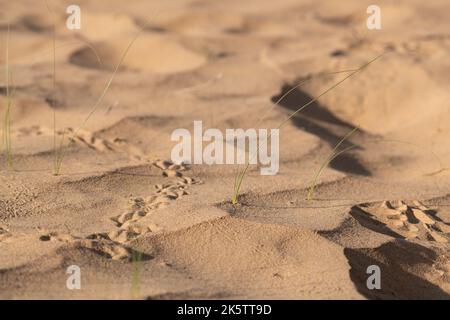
[[113, 244], [128, 222], [416, 264], [405, 220], [34, 130], [30, 131], [85, 138]]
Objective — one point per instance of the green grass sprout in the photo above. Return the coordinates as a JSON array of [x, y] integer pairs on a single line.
[[136, 262], [334, 153], [9, 104]]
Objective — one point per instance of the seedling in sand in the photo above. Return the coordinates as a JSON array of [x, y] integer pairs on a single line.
[[136, 262], [9, 104]]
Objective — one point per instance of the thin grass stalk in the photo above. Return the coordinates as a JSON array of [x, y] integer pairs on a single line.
[[327, 162], [64, 147], [136, 262]]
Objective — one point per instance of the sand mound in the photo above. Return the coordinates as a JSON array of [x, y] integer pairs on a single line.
[[149, 53]]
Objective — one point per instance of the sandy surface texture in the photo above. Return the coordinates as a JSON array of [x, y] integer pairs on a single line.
[[139, 226]]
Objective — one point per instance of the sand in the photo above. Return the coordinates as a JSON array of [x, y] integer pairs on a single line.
[[141, 227]]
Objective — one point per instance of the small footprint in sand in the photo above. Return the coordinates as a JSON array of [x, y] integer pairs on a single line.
[[103, 246], [91, 141], [140, 207], [131, 231], [112, 243], [128, 221], [108, 248], [410, 220]]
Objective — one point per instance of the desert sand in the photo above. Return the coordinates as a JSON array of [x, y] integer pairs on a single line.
[[141, 227]]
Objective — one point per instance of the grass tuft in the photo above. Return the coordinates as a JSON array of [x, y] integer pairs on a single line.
[[334, 154]]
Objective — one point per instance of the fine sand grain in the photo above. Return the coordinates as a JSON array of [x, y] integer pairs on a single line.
[[120, 202]]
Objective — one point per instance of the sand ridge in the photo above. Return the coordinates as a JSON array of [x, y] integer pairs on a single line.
[[120, 202]]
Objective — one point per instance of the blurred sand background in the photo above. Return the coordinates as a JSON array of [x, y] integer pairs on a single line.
[[385, 202]]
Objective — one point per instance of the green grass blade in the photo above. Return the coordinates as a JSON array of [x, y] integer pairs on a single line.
[[238, 183], [97, 103], [77, 41], [9, 103], [296, 87], [136, 262]]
